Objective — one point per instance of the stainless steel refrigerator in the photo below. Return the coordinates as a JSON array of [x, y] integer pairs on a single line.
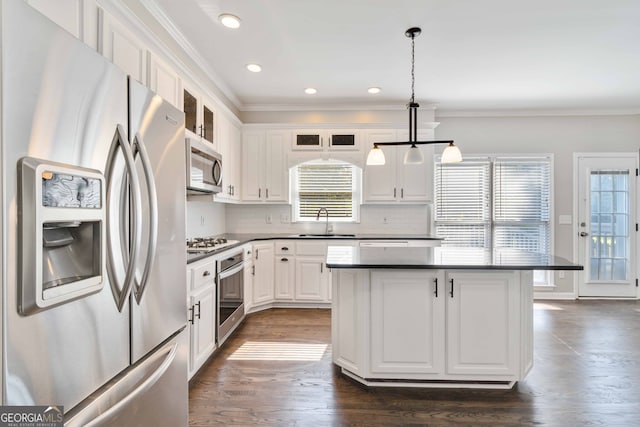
[[93, 232]]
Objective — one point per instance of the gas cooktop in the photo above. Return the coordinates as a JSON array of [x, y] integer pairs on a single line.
[[208, 244]]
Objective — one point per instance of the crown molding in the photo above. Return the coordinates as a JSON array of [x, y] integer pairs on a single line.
[[336, 125], [539, 112], [159, 15], [329, 107]]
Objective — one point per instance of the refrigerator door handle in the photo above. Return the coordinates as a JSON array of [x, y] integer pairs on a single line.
[[121, 293], [139, 147], [169, 353]]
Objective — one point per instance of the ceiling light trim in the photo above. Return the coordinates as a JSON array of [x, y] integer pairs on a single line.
[[229, 20]]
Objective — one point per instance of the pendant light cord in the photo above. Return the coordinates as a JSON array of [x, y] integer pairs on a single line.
[[413, 77]]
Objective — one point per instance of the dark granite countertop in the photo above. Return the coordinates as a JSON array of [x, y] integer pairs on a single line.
[[443, 258], [248, 237]]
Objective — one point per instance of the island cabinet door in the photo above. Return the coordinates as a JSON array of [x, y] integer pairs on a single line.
[[407, 317], [483, 318]]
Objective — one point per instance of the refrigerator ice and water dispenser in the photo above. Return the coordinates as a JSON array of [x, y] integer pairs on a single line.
[[62, 226]]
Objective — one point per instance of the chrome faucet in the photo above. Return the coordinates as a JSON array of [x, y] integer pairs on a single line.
[[326, 228]]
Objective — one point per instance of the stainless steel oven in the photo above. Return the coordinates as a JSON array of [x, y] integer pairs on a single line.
[[230, 293]]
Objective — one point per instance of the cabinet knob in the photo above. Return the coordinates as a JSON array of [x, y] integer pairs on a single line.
[[206, 273], [284, 259]]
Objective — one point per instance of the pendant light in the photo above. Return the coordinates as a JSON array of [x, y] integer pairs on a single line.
[[413, 155]]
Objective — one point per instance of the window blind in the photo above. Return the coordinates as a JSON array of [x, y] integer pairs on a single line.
[[462, 202], [495, 202], [325, 185], [521, 204]]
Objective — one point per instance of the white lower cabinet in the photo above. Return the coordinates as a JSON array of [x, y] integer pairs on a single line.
[[285, 270], [249, 275], [202, 312], [311, 279], [263, 280], [290, 273], [466, 327], [203, 333], [406, 322], [482, 323]]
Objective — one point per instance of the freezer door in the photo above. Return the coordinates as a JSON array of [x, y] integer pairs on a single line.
[[158, 301], [151, 393], [61, 102]]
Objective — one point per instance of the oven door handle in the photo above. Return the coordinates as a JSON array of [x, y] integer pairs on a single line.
[[230, 272]]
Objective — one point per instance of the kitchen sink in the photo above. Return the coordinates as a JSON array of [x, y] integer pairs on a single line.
[[326, 235]]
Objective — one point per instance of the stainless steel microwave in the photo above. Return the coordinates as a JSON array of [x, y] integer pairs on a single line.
[[204, 168]]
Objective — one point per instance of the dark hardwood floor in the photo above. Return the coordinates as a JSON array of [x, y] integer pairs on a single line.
[[586, 373]]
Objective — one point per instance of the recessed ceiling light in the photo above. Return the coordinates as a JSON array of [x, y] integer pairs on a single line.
[[254, 68], [373, 90], [310, 91], [229, 20]]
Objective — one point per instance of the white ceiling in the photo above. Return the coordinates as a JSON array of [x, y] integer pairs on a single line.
[[472, 55]]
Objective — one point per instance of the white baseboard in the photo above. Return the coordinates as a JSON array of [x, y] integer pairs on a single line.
[[554, 295]]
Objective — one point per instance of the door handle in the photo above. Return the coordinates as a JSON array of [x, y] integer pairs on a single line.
[[583, 234], [121, 293], [435, 282], [139, 147], [169, 353], [451, 293]]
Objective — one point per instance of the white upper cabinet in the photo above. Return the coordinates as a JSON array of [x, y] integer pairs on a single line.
[[164, 81], [395, 182], [200, 116], [122, 47], [325, 140], [265, 174], [229, 146]]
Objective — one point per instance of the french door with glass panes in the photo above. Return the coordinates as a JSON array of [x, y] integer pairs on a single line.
[[606, 229]]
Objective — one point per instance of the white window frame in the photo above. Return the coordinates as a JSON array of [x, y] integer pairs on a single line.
[[548, 280], [356, 188]]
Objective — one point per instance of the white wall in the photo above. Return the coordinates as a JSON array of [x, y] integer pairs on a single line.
[[205, 218], [560, 135], [387, 219]]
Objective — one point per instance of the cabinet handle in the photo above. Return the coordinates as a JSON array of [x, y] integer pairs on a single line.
[[233, 190], [394, 193], [321, 268], [284, 248], [267, 193], [321, 141], [191, 320], [253, 270], [284, 259], [451, 293], [402, 193], [435, 282], [257, 253], [198, 315], [206, 273], [202, 131], [259, 192]]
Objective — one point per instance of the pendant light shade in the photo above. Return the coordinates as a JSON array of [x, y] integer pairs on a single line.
[[414, 155], [451, 154], [375, 157]]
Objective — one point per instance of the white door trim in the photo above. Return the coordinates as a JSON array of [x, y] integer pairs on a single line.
[[576, 202]]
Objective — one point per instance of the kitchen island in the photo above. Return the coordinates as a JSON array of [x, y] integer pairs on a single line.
[[436, 316]]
